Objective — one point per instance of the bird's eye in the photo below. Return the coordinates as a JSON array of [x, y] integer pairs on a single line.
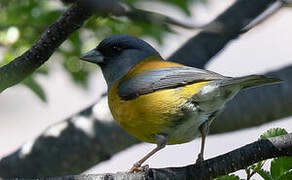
[[116, 49]]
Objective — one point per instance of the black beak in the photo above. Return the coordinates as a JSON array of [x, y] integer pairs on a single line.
[[93, 56]]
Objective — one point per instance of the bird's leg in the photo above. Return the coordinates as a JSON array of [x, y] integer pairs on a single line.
[[204, 129], [161, 141]]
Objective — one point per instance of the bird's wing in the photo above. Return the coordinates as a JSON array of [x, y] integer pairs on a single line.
[[162, 79]]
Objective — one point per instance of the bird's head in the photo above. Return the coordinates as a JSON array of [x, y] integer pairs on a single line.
[[117, 54]]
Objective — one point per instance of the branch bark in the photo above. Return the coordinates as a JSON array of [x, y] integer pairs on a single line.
[[227, 163], [200, 49], [68, 147], [22, 66]]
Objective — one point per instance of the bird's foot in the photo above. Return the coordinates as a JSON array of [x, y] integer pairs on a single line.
[[138, 168], [200, 159]]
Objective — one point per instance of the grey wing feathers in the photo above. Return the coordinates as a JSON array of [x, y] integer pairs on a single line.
[[249, 81], [162, 79]]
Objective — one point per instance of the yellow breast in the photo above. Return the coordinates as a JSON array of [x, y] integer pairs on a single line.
[[151, 113]]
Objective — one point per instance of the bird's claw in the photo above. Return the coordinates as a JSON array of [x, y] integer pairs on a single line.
[[200, 159], [138, 168]]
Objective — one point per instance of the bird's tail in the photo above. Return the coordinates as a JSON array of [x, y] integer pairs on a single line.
[[249, 81]]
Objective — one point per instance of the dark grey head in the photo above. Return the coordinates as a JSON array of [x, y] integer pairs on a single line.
[[117, 54]]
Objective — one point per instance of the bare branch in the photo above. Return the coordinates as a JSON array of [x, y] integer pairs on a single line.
[[68, 147], [198, 50], [22, 66], [265, 15], [224, 164]]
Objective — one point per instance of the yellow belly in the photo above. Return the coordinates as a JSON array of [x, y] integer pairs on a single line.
[[152, 113]]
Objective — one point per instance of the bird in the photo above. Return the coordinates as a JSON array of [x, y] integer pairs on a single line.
[[159, 101]]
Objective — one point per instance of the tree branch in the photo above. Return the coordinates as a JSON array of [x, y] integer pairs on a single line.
[[68, 147], [273, 9], [227, 163], [22, 66], [198, 50], [232, 161]]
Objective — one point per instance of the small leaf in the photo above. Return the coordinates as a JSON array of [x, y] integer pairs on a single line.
[[286, 176], [227, 177], [265, 174], [33, 85], [258, 165], [255, 168], [279, 166], [273, 133], [247, 171]]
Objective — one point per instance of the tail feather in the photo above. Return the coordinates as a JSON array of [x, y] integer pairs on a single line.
[[250, 81]]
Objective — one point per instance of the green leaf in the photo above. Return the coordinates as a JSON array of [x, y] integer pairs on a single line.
[[279, 166], [265, 174], [247, 171], [258, 165], [228, 177], [273, 133], [286, 176], [32, 84], [255, 168]]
